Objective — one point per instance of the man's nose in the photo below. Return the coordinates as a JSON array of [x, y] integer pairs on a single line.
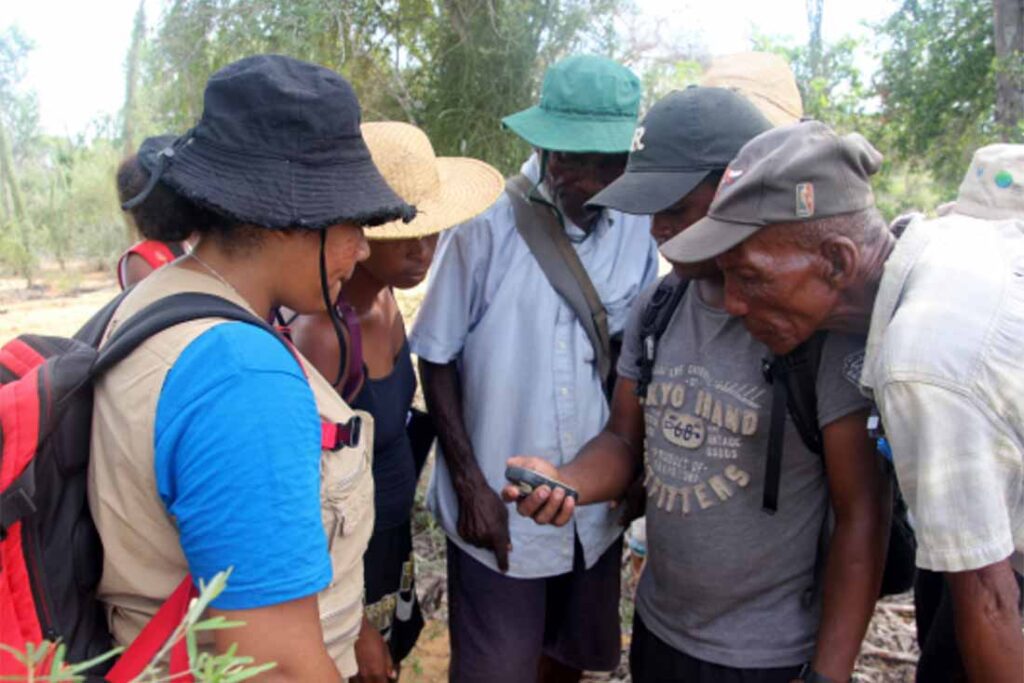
[[734, 304]]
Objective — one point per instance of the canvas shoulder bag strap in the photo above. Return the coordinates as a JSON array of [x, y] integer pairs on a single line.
[[542, 231]]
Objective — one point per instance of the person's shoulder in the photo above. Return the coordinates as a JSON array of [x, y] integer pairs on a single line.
[[842, 354], [498, 219], [629, 222], [669, 281], [237, 348]]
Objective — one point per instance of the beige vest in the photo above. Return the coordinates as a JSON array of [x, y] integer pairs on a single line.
[[143, 561]]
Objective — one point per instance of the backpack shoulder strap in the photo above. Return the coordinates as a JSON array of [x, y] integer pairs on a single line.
[[166, 313], [92, 331], [183, 307], [543, 233], [653, 322], [794, 390]]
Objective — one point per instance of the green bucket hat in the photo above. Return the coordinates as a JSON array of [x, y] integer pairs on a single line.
[[587, 104]]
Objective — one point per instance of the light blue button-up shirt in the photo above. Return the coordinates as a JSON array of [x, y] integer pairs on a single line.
[[529, 382]]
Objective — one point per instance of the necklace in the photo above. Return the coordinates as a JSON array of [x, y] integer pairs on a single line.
[[193, 255]]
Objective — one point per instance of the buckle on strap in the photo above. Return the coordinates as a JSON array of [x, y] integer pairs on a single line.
[[337, 435]]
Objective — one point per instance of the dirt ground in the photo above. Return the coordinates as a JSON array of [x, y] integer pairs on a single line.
[[60, 303]]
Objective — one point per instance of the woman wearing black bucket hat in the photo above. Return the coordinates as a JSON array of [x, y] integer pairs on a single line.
[[209, 445]]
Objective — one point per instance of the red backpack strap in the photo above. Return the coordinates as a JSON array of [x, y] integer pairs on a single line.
[[154, 636]]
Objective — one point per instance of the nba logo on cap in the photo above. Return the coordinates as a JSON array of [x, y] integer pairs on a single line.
[[805, 200]]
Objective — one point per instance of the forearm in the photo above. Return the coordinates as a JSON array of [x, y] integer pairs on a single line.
[[442, 391], [988, 624], [603, 469], [853, 575]]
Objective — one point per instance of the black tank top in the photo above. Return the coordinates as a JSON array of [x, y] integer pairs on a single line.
[[389, 399]]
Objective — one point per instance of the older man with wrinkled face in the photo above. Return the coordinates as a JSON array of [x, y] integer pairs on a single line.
[[795, 231]]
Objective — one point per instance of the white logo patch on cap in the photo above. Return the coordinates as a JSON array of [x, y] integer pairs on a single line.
[[638, 139], [805, 200]]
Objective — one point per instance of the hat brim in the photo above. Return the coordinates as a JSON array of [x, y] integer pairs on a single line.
[[706, 239], [647, 192], [468, 188], [564, 133], [277, 193]]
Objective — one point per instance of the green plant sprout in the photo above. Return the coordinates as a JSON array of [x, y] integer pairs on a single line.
[[227, 667]]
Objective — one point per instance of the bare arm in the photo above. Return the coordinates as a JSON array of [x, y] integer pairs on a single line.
[[483, 518], [988, 624], [862, 502], [601, 471], [288, 633]]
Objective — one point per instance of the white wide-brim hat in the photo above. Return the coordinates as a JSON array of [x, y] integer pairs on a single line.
[[446, 191]]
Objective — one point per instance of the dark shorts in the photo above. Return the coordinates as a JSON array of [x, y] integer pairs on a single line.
[[500, 626], [390, 577], [651, 660]]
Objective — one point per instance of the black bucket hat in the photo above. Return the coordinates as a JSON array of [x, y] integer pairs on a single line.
[[278, 146], [149, 150]]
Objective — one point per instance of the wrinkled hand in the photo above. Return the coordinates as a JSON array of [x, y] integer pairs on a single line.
[[483, 521], [373, 657], [543, 505]]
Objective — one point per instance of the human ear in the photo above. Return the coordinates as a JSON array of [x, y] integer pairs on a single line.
[[842, 257]]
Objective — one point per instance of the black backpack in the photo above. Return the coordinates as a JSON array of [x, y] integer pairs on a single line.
[[793, 380]]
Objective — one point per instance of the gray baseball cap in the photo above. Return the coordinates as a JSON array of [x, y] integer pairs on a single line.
[[800, 172], [685, 136]]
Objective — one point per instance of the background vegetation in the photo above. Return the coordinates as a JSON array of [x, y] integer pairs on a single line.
[[949, 80]]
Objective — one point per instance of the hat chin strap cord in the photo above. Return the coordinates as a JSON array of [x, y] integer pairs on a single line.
[[332, 313]]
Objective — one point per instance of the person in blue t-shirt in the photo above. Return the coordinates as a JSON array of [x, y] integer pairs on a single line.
[[207, 449]]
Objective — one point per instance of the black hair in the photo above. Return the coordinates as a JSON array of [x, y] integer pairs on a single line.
[[164, 215]]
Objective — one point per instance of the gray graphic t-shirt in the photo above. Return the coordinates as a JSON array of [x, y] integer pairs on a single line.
[[724, 579]]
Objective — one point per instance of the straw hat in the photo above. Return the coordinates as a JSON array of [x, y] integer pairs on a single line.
[[446, 191], [763, 78]]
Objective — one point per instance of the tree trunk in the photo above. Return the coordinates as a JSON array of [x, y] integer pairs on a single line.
[[1008, 20], [10, 181], [815, 12], [131, 78]]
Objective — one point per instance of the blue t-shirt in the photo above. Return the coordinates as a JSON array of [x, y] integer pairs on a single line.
[[237, 444]]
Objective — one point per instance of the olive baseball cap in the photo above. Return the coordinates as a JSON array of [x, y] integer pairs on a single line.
[[587, 104], [800, 172], [685, 136]]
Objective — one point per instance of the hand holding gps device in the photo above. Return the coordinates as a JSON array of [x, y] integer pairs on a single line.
[[527, 481]]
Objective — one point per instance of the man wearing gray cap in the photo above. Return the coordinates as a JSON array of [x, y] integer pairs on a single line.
[[803, 248], [696, 383]]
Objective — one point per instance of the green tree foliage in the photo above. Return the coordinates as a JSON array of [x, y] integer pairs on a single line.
[[937, 84], [454, 67], [489, 58]]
